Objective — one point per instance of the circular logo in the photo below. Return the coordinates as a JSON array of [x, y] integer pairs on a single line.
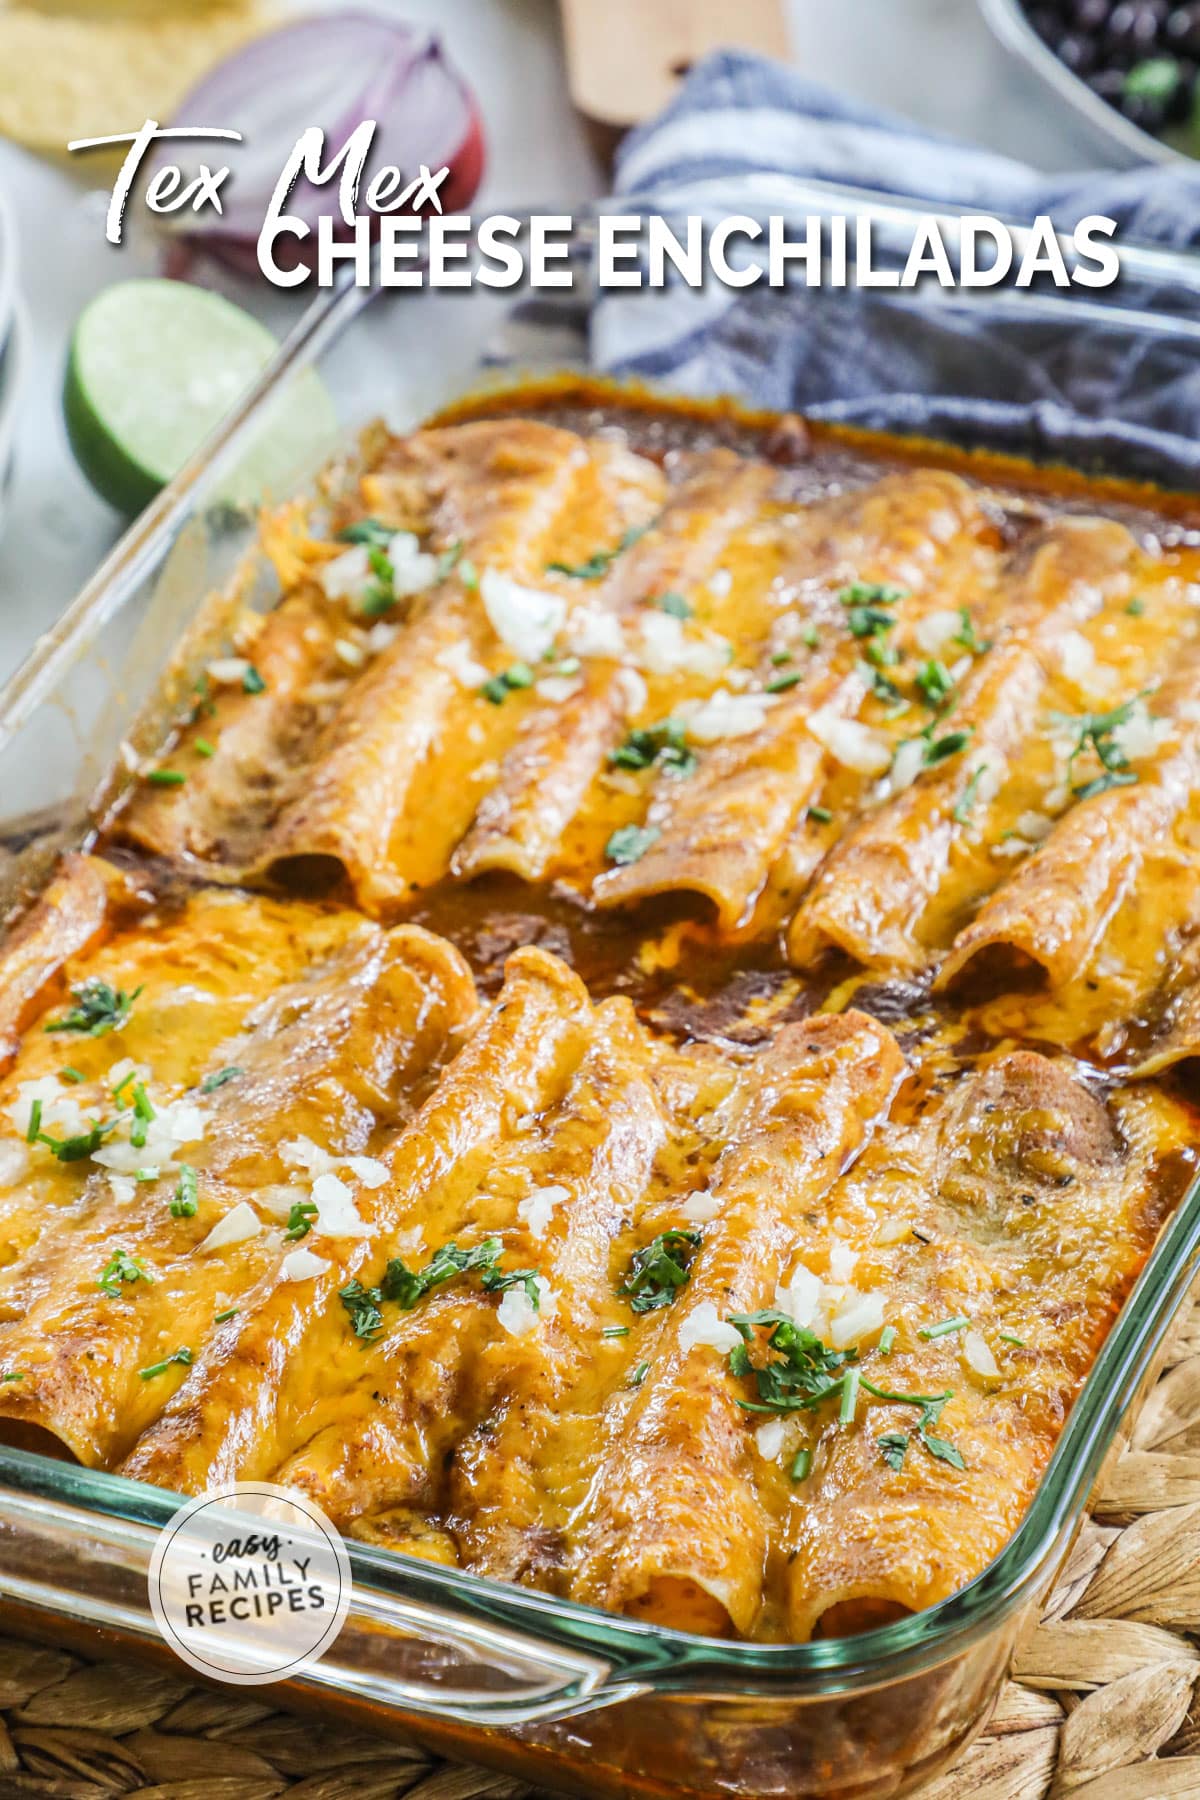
[[250, 1583]]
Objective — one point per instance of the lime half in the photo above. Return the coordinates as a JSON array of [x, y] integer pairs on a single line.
[[152, 367]]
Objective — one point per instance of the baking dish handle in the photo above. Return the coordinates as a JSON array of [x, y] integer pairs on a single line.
[[74, 1564]]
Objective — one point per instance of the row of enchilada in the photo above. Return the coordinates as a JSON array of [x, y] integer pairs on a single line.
[[774, 1342], [896, 724]]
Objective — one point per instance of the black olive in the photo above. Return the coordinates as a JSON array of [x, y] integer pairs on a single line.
[[1108, 83], [1078, 53]]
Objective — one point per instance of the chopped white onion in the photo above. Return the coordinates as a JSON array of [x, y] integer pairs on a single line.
[[345, 577], [517, 1313], [666, 649], [700, 1208], [594, 632], [907, 764], [337, 1215], [229, 671], [858, 1316], [854, 745], [537, 1209], [704, 1326], [240, 1222], [768, 1439], [557, 688], [302, 1265], [842, 1261], [14, 1161], [413, 569], [725, 715], [937, 629], [978, 1356], [368, 1169], [457, 660], [526, 620], [800, 1297], [302, 1153], [1076, 655]]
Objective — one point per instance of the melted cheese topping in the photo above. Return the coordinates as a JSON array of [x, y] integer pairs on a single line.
[[647, 1263]]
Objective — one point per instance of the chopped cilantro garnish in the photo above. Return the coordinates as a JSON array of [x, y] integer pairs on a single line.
[[99, 1008], [894, 1444], [449, 559], [872, 593], [33, 1130], [944, 1328], [362, 1304], [879, 685], [300, 1219], [600, 561], [183, 1201], [659, 1269], [938, 749], [869, 621], [211, 1083], [182, 1355], [119, 1091], [408, 1286], [121, 1267], [802, 1371], [665, 743], [967, 636], [673, 603], [371, 532], [969, 795], [935, 682], [517, 675], [165, 777], [631, 842], [1095, 732], [74, 1149], [887, 1340], [143, 1113], [252, 681]]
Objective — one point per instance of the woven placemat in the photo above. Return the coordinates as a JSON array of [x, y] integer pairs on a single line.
[[1103, 1704]]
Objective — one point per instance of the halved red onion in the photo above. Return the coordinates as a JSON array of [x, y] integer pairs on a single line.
[[333, 71]]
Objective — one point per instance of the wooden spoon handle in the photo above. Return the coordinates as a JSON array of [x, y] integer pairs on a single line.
[[625, 58]]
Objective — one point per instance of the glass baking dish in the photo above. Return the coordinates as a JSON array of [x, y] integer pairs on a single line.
[[559, 1693]]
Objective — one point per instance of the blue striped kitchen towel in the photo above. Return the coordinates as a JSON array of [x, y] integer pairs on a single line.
[[1079, 381]]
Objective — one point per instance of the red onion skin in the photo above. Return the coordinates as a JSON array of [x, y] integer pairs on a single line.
[[405, 62]]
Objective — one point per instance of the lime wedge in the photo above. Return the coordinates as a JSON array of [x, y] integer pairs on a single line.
[[152, 367]]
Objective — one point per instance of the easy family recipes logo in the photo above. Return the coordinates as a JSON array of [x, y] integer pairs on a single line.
[[389, 225], [249, 1583]]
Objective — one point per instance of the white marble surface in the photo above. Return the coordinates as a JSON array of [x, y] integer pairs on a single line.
[[932, 59]]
